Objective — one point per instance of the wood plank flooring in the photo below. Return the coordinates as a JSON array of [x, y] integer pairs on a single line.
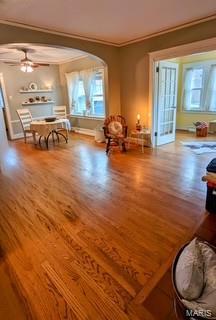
[[84, 236]]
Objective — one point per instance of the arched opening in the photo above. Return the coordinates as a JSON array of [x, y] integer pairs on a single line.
[[40, 76]]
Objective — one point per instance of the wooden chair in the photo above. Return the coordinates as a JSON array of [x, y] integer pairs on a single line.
[[180, 309], [25, 118], [115, 132], [61, 113]]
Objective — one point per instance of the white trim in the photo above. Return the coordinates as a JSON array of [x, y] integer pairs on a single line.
[[87, 118], [197, 112], [121, 44], [7, 109], [174, 52], [89, 132], [18, 136]]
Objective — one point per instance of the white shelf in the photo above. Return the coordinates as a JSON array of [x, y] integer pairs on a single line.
[[39, 102], [36, 91]]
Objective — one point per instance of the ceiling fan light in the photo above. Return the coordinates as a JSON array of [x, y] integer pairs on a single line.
[[26, 68], [29, 69]]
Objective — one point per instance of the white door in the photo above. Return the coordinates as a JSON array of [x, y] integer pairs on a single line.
[[167, 102]]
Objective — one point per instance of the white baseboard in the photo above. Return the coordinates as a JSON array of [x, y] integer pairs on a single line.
[[21, 135], [89, 132], [17, 136], [189, 129]]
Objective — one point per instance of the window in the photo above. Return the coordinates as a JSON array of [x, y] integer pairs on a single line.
[[196, 88], [199, 85], [96, 96], [81, 101], [193, 88]]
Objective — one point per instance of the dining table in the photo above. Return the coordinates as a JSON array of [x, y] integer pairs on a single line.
[[46, 129]]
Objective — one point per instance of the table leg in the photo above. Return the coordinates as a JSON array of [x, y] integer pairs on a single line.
[[61, 134], [34, 138], [53, 137], [46, 142], [142, 145], [40, 141]]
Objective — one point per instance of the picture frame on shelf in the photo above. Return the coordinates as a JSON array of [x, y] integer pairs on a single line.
[[33, 86]]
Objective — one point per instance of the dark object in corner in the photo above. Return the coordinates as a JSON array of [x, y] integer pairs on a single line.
[[211, 189], [211, 167]]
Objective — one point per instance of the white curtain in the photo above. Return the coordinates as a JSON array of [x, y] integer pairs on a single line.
[[210, 99], [73, 88], [88, 77], [188, 76]]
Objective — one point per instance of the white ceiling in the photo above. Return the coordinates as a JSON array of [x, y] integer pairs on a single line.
[[36, 53], [115, 21]]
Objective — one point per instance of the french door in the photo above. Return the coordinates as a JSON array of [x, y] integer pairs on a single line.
[[167, 102]]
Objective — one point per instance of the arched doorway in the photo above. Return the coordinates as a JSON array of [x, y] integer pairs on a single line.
[[45, 84]]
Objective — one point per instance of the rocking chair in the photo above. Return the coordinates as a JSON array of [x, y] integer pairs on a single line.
[[115, 132]]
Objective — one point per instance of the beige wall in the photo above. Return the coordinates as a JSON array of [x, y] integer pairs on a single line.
[[77, 65], [110, 54], [135, 67], [184, 120], [128, 66], [15, 79]]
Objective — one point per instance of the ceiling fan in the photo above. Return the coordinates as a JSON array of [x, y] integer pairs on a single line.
[[26, 64]]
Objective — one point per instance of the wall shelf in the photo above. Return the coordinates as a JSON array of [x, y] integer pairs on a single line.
[[36, 91], [39, 102]]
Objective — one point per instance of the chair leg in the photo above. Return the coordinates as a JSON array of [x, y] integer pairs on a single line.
[[108, 146], [25, 136], [34, 138], [123, 147]]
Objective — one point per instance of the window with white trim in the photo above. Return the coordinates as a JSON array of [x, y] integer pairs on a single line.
[[97, 101], [199, 87]]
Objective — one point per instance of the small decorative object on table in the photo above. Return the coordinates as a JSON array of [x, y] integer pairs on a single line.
[[50, 119], [138, 125], [201, 128]]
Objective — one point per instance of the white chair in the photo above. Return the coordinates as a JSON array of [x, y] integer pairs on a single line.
[[25, 119], [61, 113]]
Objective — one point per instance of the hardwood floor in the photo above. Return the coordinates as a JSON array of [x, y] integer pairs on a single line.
[[84, 236]]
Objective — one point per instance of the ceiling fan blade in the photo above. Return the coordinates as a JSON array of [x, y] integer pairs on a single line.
[[11, 63], [43, 64], [5, 52]]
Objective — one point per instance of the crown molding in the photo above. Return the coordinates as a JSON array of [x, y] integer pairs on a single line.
[[178, 27], [51, 63], [59, 33], [121, 44], [83, 56]]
